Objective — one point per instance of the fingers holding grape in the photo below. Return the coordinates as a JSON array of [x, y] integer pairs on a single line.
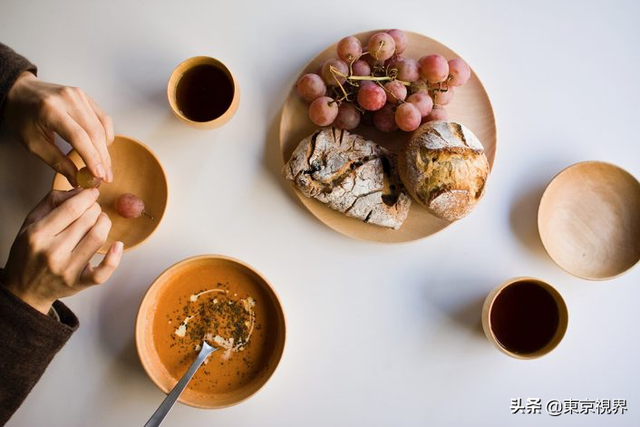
[[86, 179]]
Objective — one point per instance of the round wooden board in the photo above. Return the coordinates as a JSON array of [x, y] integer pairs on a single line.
[[470, 106], [589, 220], [135, 170]]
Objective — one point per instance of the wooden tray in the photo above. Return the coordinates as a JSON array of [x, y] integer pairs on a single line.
[[135, 170], [470, 106]]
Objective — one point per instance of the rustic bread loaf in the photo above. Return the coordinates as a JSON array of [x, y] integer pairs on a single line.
[[351, 175], [443, 167]]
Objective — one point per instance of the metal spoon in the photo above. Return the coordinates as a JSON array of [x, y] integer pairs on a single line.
[[164, 408]]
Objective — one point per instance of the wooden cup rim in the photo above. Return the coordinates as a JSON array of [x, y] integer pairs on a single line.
[[177, 74], [562, 324]]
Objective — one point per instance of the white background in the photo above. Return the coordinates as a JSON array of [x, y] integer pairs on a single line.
[[377, 334]]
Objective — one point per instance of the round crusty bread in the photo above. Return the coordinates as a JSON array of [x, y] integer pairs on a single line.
[[444, 168]]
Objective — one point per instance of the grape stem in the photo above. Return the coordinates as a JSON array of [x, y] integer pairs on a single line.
[[380, 46], [335, 71], [390, 75], [148, 215]]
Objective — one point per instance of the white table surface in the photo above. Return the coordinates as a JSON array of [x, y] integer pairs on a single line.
[[563, 79]]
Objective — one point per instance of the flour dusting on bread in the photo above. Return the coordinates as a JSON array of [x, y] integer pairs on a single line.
[[350, 174]]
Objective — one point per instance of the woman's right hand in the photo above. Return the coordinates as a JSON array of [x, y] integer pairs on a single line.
[[50, 256]]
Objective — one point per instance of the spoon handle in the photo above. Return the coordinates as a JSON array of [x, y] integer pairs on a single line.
[[164, 408]]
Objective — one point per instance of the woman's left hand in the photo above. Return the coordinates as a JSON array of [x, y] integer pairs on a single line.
[[36, 110]]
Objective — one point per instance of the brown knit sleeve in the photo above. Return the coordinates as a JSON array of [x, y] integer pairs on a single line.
[[11, 66], [28, 342]]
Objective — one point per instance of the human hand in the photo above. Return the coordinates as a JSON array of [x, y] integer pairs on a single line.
[[35, 110], [50, 257]]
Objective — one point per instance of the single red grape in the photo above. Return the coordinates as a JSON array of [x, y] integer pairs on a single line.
[[381, 46], [400, 39], [349, 48], [384, 119], [331, 78], [311, 86], [348, 117], [422, 101], [396, 91], [361, 68], [407, 117], [459, 72], [323, 111], [129, 206], [434, 68], [371, 96]]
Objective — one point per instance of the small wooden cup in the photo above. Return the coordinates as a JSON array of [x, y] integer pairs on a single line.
[[562, 323], [177, 74]]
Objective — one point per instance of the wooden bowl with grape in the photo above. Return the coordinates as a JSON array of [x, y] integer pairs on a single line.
[[138, 171], [470, 106]]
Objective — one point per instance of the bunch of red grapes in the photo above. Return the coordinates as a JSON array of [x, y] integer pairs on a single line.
[[376, 82]]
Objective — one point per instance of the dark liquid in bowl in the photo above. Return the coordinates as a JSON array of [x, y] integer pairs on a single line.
[[525, 317], [204, 93]]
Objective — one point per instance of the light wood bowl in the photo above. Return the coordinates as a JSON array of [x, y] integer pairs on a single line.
[[562, 324], [470, 106], [589, 220], [173, 84], [145, 340], [135, 170]]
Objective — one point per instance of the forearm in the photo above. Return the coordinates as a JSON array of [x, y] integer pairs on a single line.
[[28, 342], [11, 66]]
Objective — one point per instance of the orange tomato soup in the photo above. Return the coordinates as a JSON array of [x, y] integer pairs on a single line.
[[216, 300]]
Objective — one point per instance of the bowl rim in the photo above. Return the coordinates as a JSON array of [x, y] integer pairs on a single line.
[[139, 327], [542, 199], [164, 178], [300, 197]]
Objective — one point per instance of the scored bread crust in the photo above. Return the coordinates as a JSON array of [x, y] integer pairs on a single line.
[[444, 168], [351, 175]]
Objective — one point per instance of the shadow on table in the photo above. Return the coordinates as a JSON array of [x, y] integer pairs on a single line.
[[143, 68], [460, 300], [523, 217], [27, 178], [273, 159], [117, 318]]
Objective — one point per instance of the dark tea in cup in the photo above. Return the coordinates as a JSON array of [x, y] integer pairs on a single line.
[[525, 318], [203, 93]]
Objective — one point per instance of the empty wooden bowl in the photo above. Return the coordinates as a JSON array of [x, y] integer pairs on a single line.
[[589, 220], [163, 354], [138, 171], [470, 106]]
